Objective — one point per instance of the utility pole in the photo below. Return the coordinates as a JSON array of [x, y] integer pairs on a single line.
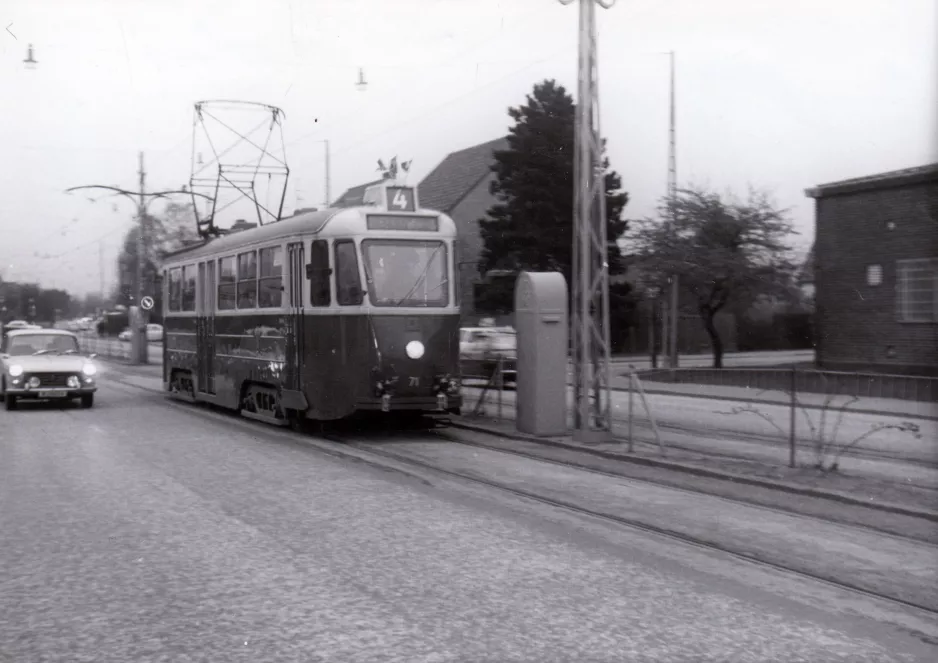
[[672, 192], [101, 267], [141, 200], [141, 347], [590, 275]]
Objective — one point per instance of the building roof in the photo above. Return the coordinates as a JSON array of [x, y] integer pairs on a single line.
[[354, 196], [917, 175], [458, 174]]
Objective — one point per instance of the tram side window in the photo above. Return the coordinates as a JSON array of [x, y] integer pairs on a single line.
[[227, 278], [188, 288], [175, 289], [319, 291], [270, 283], [247, 279], [347, 281]]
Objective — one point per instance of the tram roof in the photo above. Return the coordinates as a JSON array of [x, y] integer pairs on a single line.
[[306, 223]]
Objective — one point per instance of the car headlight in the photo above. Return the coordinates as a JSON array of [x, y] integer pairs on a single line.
[[15, 370], [414, 349], [89, 369]]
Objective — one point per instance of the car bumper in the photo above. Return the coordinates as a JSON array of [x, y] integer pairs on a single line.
[[51, 393]]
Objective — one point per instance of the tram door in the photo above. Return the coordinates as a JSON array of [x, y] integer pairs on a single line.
[[296, 260], [205, 331]]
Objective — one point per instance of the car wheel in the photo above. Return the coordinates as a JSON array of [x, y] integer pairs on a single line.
[[10, 402], [3, 389], [87, 401]]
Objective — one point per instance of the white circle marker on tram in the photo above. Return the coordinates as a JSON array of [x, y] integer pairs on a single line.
[[414, 349]]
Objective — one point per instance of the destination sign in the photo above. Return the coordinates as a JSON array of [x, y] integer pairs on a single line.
[[394, 222]]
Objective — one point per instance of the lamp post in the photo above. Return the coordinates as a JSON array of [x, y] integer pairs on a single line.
[[142, 200]]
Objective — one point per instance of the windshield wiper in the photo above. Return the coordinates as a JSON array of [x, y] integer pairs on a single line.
[[43, 352], [423, 274]]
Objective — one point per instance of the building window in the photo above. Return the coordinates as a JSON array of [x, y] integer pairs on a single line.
[[175, 289], [188, 288], [874, 275], [348, 283], [247, 279], [227, 278], [270, 283], [318, 272], [917, 286]]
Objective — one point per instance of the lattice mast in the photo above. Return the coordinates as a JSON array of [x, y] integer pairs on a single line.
[[590, 287], [672, 193]]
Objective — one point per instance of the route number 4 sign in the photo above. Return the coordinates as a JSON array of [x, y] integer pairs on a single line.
[[401, 199]]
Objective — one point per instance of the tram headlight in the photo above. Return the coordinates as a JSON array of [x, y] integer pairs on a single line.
[[414, 349]]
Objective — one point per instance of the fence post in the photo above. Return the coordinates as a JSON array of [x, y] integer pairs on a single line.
[[792, 420], [631, 401], [501, 386]]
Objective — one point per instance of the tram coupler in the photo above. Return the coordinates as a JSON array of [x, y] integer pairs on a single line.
[[386, 403], [441, 401]]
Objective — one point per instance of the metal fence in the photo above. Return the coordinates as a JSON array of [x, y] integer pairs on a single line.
[[104, 346], [812, 381]]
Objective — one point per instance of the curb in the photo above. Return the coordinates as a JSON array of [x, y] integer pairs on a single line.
[[712, 474]]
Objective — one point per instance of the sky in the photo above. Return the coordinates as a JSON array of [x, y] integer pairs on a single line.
[[778, 94]]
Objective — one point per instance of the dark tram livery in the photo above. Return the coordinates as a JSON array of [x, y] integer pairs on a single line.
[[320, 315]]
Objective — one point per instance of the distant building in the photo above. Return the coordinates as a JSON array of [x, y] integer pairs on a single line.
[[354, 196], [876, 272], [459, 187], [240, 225]]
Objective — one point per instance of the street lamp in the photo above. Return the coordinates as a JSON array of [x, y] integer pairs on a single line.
[[142, 200]]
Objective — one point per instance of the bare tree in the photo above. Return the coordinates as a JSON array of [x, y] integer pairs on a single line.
[[724, 251]]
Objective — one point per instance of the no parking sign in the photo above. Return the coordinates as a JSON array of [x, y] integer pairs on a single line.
[[146, 303]]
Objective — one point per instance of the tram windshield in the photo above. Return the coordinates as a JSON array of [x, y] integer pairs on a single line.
[[406, 272]]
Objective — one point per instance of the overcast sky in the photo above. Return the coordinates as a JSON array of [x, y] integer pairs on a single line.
[[781, 94]]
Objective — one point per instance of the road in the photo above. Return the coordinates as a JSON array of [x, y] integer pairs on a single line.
[[144, 531]]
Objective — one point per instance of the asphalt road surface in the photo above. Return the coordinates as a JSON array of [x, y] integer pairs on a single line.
[[141, 531]]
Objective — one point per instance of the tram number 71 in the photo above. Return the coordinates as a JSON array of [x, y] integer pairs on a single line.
[[414, 382]]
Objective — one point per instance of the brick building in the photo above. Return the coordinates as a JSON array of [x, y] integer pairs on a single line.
[[876, 272]]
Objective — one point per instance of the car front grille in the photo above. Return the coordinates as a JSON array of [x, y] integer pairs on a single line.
[[51, 379]]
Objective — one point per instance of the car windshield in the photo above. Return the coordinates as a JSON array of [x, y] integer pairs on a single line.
[[32, 344], [406, 272]]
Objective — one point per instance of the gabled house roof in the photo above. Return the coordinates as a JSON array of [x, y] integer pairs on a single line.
[[458, 174], [926, 173], [354, 197]]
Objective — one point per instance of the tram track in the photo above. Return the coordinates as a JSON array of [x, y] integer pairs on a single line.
[[586, 467], [377, 449], [371, 451]]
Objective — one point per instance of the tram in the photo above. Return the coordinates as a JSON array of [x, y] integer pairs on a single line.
[[319, 316]]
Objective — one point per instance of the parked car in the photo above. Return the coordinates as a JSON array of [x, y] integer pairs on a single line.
[[154, 333], [480, 348], [45, 364], [112, 323]]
